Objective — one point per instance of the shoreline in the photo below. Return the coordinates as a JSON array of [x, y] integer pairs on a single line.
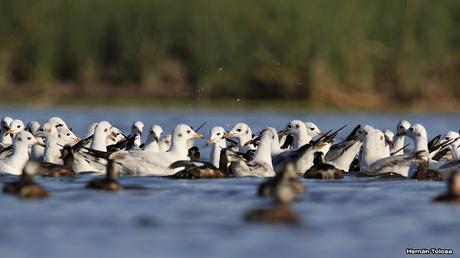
[[225, 104]]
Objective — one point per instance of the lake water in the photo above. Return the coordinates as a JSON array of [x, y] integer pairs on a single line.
[[178, 218]]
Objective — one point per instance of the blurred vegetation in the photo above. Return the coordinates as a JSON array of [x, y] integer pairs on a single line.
[[310, 50]]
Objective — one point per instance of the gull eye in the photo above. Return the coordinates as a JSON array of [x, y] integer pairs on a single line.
[[68, 134], [18, 126], [312, 128], [188, 131], [151, 131], [29, 138], [289, 126], [297, 126], [447, 138], [402, 127], [41, 130], [180, 135], [218, 134], [411, 129], [105, 130], [118, 134], [238, 130]]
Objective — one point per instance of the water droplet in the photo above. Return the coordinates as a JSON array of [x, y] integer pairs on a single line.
[[238, 100], [221, 69]]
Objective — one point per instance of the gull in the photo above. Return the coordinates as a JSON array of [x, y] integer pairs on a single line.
[[322, 170], [398, 139], [14, 163], [153, 139], [143, 163], [5, 137], [26, 187], [216, 138], [261, 165], [301, 133], [202, 170]]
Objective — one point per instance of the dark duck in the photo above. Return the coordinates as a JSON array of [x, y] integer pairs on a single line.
[[321, 170], [26, 187], [109, 182]]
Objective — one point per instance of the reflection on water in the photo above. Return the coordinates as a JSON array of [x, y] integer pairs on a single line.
[[350, 218]]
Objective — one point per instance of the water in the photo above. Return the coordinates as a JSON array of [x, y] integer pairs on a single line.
[[348, 218]]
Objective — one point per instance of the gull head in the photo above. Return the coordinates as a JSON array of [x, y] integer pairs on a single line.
[[155, 133], [57, 122], [313, 130], [32, 127], [416, 131], [104, 128], [402, 127], [25, 138], [137, 127], [6, 122], [239, 130], [185, 132], [15, 127], [67, 137], [45, 130], [216, 135], [364, 132], [293, 128]]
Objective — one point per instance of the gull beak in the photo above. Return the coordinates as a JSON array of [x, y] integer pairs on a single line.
[[321, 133], [156, 139], [228, 135], [198, 136], [10, 132], [76, 139], [210, 141], [113, 134], [285, 131]]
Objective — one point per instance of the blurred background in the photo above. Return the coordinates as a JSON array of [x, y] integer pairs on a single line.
[[322, 54]]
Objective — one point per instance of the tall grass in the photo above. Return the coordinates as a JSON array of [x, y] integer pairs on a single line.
[[257, 49]]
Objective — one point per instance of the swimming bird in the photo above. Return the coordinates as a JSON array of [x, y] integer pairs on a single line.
[[453, 190], [57, 170], [302, 135], [267, 188], [109, 182], [280, 211], [261, 165], [26, 187], [304, 156], [14, 163], [399, 137], [202, 170], [138, 162], [322, 170], [217, 140], [153, 139], [243, 134], [52, 143], [5, 137]]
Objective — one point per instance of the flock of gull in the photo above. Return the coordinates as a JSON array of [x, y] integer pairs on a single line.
[[298, 150]]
